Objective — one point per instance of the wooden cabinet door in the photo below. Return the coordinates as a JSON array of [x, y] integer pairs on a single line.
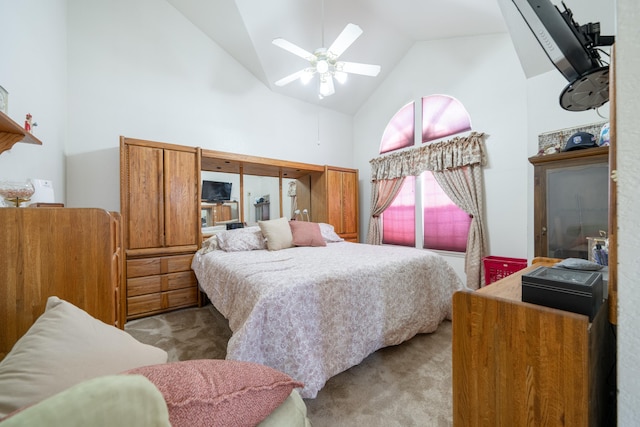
[[144, 202], [334, 200], [181, 204], [342, 202], [350, 202]]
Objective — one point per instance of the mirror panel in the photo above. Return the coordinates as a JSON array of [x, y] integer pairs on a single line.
[[261, 198]]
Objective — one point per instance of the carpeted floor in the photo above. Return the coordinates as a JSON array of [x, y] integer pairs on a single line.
[[404, 385]]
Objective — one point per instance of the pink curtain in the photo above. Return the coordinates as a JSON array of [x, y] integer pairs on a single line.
[[382, 194]]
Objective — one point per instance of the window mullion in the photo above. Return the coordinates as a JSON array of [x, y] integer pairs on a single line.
[[419, 209]]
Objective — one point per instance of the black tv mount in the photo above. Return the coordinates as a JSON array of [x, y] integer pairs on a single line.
[[591, 89]]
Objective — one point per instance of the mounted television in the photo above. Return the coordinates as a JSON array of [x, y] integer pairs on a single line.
[[215, 191], [573, 50]]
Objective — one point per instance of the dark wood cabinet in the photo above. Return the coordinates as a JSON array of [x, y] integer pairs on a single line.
[[571, 201]]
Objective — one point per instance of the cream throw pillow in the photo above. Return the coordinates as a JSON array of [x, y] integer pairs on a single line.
[[278, 233], [64, 347]]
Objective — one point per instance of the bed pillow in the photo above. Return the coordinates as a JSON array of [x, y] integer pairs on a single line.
[[241, 239], [211, 244], [306, 234], [218, 392], [277, 232], [329, 234], [64, 347]]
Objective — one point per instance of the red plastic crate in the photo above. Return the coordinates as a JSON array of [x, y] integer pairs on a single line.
[[497, 267]]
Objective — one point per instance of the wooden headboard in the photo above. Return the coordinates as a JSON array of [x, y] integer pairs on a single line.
[[74, 254]]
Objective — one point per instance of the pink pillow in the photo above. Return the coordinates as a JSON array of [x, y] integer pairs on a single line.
[[215, 392], [306, 234]]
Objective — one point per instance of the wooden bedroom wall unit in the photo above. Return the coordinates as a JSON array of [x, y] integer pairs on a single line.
[[74, 254], [334, 200], [520, 364], [329, 193], [160, 203]]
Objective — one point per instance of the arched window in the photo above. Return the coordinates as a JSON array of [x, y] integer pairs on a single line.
[[444, 225], [443, 116], [400, 130]]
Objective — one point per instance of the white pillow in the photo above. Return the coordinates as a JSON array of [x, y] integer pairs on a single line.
[[278, 233], [211, 244], [241, 239], [329, 234], [64, 347]]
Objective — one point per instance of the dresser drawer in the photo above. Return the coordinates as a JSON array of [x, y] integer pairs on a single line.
[[159, 265], [144, 304], [181, 297], [163, 282]]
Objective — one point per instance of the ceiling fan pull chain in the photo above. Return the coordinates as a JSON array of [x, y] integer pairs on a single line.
[[322, 22]]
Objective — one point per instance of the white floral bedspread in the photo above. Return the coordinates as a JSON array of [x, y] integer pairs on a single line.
[[313, 312]]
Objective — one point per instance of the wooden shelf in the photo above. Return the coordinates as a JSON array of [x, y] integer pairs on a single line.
[[12, 133]]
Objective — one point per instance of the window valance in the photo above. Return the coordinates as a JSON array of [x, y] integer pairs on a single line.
[[439, 156]]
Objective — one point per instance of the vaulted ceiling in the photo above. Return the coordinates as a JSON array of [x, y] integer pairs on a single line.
[[246, 28]]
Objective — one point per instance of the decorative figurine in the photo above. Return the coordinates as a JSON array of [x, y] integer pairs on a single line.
[[27, 123]]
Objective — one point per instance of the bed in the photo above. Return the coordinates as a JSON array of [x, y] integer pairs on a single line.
[[315, 311]]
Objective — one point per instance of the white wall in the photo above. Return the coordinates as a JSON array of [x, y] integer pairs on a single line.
[[138, 68], [33, 68], [628, 159], [485, 75]]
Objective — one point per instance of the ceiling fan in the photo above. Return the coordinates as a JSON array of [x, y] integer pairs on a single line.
[[324, 62]]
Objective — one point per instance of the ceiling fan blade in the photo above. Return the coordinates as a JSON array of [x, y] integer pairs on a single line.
[[290, 47], [350, 33], [326, 87], [291, 77], [358, 68]]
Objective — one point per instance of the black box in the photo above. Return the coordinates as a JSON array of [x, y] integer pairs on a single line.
[[578, 291]]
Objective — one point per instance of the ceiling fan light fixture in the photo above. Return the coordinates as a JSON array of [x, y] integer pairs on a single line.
[[341, 77], [325, 62], [326, 88], [306, 77], [322, 66]]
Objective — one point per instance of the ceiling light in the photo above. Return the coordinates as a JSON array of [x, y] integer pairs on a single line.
[[306, 76], [326, 86], [324, 62], [322, 66], [340, 76]]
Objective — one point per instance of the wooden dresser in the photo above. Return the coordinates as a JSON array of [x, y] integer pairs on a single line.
[[74, 254], [521, 364]]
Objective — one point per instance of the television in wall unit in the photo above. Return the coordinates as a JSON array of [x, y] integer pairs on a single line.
[[573, 49], [216, 191]]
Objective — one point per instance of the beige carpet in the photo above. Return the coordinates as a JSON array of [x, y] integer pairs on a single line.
[[404, 385]]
